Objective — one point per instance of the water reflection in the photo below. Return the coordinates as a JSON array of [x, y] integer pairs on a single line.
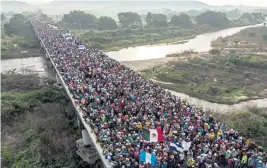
[[35, 64], [200, 43]]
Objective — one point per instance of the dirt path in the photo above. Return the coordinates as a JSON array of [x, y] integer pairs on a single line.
[[155, 80], [146, 64]]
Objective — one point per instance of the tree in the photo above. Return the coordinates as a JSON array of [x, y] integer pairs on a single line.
[[156, 20], [183, 20], [247, 16], [106, 23], [233, 13], [46, 18], [215, 19], [127, 19], [148, 18], [159, 20], [80, 19], [16, 25], [258, 16], [3, 17], [215, 52]]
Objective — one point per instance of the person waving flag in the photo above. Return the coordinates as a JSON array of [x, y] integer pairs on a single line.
[[153, 135], [176, 147], [148, 158]]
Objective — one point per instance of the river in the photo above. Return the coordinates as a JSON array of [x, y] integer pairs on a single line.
[[200, 43], [35, 64]]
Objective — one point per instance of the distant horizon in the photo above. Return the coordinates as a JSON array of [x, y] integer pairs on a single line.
[[252, 3]]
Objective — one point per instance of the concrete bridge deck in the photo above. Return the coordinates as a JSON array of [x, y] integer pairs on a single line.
[[90, 135]]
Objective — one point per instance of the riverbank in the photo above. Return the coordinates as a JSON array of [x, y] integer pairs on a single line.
[[5, 55], [251, 40], [202, 43], [114, 40], [13, 47], [161, 42], [18, 39]]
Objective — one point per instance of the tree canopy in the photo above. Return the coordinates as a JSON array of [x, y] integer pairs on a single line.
[[3, 17], [149, 18], [182, 20], [215, 19], [46, 18], [127, 19], [236, 13], [106, 23], [16, 25], [258, 16], [247, 16], [80, 19], [156, 20]]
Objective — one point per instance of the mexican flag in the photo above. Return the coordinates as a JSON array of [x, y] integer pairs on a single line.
[[153, 135]]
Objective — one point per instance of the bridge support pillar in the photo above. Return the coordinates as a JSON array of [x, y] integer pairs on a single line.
[[85, 150], [58, 79], [50, 65], [86, 138], [79, 123], [46, 55], [42, 50]]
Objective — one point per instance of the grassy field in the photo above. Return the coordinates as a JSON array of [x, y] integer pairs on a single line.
[[226, 80]]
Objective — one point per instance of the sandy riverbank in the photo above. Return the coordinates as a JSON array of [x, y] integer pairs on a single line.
[[147, 64]]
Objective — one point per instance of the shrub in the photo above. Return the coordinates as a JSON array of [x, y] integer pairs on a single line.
[[214, 51], [14, 104]]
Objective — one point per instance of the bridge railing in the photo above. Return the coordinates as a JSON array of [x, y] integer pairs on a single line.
[[78, 110]]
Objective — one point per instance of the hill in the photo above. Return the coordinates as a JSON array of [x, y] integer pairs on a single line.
[[16, 6], [114, 7]]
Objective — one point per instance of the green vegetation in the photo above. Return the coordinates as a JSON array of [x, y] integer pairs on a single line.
[[39, 127], [183, 20], [156, 20], [33, 81], [18, 40], [132, 30], [253, 38], [121, 38], [225, 80], [106, 23], [79, 19], [251, 123], [215, 19]]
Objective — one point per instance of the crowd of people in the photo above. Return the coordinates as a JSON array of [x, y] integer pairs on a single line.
[[118, 104]]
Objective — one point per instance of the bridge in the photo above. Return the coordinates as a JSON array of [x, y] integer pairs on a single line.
[[159, 108], [88, 148]]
